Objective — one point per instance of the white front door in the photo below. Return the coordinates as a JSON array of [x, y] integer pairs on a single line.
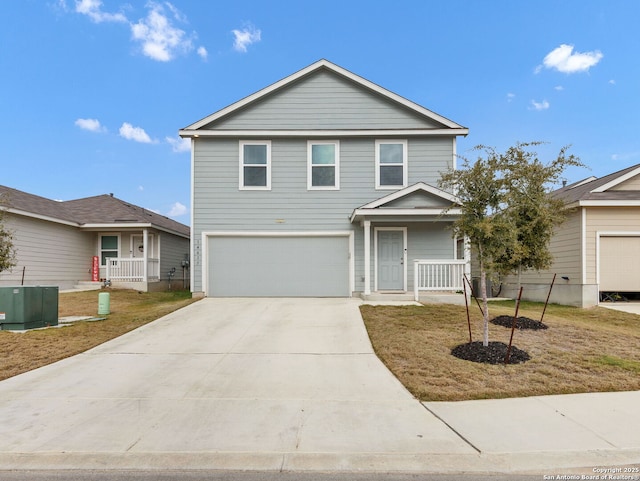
[[391, 262]]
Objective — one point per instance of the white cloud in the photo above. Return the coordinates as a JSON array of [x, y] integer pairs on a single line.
[[563, 59], [612, 82], [93, 125], [559, 88], [138, 134], [510, 96], [140, 188], [93, 9], [544, 105], [245, 37], [203, 53], [179, 144], [177, 209], [160, 39]]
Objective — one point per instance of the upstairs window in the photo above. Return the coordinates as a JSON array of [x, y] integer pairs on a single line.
[[391, 164], [323, 170], [255, 165]]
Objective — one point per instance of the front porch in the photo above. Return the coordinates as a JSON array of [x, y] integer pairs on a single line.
[[408, 252]]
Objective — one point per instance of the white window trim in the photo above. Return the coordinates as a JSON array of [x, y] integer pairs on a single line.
[[404, 164], [108, 234], [242, 165], [336, 164]]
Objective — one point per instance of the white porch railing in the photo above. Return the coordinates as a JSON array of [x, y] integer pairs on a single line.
[[132, 269], [438, 275]]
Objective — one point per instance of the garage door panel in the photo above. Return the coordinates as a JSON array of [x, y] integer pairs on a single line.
[[278, 266], [619, 264]]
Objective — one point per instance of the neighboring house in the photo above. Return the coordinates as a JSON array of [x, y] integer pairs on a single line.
[[597, 249], [323, 184], [56, 243]]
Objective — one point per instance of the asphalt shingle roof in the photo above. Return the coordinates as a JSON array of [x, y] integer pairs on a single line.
[[582, 190], [101, 209]]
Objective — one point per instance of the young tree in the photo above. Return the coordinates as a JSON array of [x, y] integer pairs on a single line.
[[507, 212], [480, 188], [7, 250]]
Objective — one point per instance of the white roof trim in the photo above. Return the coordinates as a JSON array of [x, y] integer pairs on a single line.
[[410, 190], [608, 203], [131, 225], [315, 66], [322, 133], [418, 212], [582, 182], [33, 215], [617, 180]]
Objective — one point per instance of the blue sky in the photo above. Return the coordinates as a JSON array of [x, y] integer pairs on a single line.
[[93, 93]]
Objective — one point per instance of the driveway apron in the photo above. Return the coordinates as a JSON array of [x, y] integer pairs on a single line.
[[226, 383]]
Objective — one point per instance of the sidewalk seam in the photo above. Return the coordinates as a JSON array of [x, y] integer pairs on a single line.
[[452, 428]]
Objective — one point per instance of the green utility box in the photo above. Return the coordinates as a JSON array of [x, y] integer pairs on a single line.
[[28, 307]]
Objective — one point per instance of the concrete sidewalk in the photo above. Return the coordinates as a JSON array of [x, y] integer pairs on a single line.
[[285, 384]]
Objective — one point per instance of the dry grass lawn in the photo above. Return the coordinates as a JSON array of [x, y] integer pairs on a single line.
[[583, 350], [21, 352]]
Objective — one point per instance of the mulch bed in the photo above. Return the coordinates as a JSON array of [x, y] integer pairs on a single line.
[[494, 353], [521, 322]]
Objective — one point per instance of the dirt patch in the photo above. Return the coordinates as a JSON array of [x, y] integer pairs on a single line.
[[521, 322], [494, 353]]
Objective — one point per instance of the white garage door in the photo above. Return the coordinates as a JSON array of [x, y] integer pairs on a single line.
[[296, 266], [619, 264]]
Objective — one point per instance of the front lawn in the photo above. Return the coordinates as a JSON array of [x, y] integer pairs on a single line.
[[583, 350], [21, 352]]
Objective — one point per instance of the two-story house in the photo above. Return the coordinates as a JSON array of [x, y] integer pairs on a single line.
[[323, 184]]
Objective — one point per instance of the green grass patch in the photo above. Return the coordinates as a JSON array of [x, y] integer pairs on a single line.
[[627, 364]]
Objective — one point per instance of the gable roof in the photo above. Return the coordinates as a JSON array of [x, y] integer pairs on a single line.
[[384, 205], [593, 190], [90, 212], [448, 127]]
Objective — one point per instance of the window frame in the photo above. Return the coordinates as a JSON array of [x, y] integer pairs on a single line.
[[404, 163], [101, 250], [242, 165], [336, 165]]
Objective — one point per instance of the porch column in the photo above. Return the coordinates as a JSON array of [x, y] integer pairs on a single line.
[[367, 257], [145, 255], [467, 264]]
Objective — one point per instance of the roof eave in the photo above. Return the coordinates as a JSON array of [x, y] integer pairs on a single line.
[[190, 133], [47, 218], [362, 213], [131, 225]]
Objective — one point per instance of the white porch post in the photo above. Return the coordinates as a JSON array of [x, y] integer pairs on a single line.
[[145, 255], [367, 257]]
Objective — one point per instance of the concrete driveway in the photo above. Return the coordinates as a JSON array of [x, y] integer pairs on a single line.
[[227, 383]]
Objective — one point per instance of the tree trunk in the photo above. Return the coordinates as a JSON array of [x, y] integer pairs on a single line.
[[485, 306]]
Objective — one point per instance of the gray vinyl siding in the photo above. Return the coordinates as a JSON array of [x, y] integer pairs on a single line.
[[219, 204], [312, 103], [173, 250], [50, 253]]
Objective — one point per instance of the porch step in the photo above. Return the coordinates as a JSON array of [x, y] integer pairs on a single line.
[[387, 296], [87, 286], [427, 298]]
